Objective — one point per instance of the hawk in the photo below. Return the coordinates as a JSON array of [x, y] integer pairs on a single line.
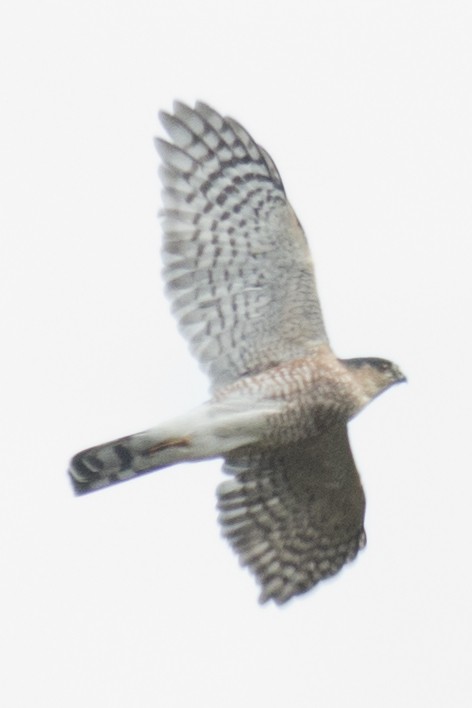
[[240, 279]]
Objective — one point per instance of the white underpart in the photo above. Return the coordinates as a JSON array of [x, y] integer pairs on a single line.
[[212, 429]]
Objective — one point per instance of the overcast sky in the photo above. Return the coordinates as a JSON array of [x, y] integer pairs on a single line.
[[129, 597]]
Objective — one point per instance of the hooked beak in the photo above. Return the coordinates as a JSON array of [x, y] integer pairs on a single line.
[[400, 376]]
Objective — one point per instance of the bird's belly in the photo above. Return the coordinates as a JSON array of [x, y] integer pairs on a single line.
[[303, 399]]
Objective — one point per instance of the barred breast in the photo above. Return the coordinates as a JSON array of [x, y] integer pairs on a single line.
[[316, 392]]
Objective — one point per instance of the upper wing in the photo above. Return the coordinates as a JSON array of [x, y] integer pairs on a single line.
[[236, 261], [294, 514]]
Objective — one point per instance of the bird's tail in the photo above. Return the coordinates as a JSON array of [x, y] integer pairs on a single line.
[[206, 432], [125, 458]]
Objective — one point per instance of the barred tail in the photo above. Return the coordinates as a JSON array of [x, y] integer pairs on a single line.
[[125, 458], [209, 431]]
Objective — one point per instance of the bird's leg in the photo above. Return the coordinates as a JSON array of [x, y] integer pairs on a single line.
[[209, 431]]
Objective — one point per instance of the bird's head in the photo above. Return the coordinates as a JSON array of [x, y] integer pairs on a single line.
[[375, 375]]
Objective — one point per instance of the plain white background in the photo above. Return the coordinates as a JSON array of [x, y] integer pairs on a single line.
[[129, 598]]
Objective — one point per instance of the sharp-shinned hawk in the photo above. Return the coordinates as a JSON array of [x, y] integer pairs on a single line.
[[240, 279]]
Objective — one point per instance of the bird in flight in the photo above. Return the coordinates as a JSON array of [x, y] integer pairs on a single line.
[[240, 279]]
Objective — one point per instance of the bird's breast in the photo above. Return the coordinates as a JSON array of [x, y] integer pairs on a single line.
[[312, 392]]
